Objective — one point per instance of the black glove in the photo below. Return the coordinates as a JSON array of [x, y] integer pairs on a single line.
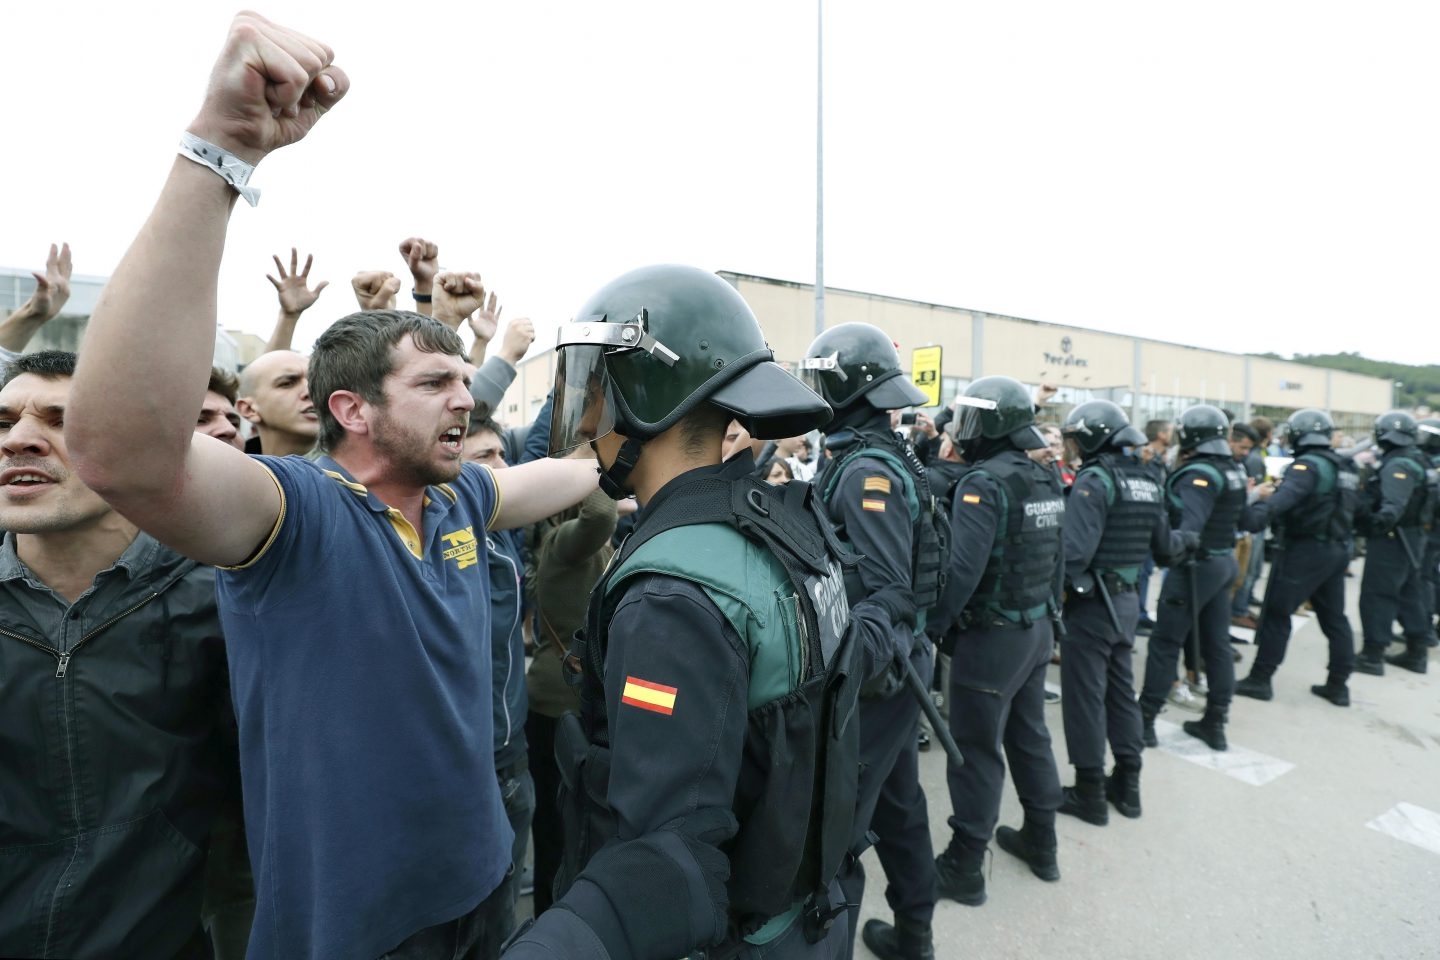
[[1189, 548], [898, 602]]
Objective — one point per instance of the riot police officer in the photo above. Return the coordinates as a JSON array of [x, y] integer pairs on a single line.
[[1394, 508], [718, 639], [1005, 573], [878, 495], [1205, 495], [1114, 520], [1313, 514], [1429, 435]]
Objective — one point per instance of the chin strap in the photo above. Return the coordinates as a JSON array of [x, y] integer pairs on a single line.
[[612, 479]]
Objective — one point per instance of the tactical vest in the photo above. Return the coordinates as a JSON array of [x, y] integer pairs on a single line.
[[1225, 475], [1432, 495], [1019, 581], [795, 798], [1135, 502], [1419, 510], [1329, 512], [930, 539]]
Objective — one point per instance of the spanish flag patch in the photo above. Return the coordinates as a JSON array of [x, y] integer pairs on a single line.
[[1299, 466], [655, 697], [971, 498], [877, 485], [876, 505], [1201, 482]]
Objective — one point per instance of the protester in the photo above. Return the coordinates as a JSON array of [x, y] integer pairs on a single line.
[[355, 606]]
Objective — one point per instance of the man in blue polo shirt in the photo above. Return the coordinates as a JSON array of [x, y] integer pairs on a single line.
[[355, 597]]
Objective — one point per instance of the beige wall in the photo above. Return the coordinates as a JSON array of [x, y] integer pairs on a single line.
[[1043, 353], [787, 316], [1359, 394], [1031, 351], [1167, 370]]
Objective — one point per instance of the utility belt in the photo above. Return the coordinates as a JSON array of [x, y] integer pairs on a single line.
[[988, 618], [1115, 582]]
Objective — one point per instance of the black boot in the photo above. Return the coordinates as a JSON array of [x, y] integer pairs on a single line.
[[958, 874], [908, 939], [1210, 728], [1370, 660], [1086, 799], [1416, 658], [1257, 685], [1334, 690], [1147, 728], [1033, 844], [1122, 787]]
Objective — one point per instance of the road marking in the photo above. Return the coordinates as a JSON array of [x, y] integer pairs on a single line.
[[1415, 825], [1297, 622], [1240, 763]]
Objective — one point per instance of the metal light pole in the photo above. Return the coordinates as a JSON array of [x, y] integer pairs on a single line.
[[819, 168]]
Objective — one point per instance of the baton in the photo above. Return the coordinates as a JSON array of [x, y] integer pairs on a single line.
[[1109, 605], [1409, 552], [927, 706], [1194, 643]]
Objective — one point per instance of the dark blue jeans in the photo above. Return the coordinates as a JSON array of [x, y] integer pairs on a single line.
[[477, 935]]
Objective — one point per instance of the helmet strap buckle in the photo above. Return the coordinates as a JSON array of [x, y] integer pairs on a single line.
[[612, 478]]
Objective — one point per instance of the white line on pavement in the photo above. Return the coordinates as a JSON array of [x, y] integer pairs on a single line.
[[1410, 823], [1241, 763]]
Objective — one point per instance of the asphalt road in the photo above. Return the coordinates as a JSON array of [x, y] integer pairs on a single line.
[[1279, 864]]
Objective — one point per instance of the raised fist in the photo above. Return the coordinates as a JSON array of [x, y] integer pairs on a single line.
[[376, 289], [268, 87]]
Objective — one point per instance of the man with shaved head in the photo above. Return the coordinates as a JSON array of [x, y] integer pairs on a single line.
[[275, 397]]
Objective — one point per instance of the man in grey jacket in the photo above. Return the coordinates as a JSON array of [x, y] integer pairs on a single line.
[[113, 705]]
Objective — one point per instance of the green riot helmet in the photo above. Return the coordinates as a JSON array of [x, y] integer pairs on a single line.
[[1396, 429], [654, 344], [1428, 433], [1310, 428], [994, 408], [1203, 429], [1098, 424], [855, 360]]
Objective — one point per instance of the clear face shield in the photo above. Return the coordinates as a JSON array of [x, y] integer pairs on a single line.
[[584, 408], [813, 370], [966, 424]]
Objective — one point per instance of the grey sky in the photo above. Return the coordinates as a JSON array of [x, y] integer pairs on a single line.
[[1246, 176]]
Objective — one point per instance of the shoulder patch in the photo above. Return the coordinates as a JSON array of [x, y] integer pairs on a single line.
[[971, 498], [877, 484], [1400, 475], [1200, 482], [655, 697], [1298, 466], [877, 506]]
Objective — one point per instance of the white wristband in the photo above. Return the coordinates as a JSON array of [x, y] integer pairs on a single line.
[[229, 167]]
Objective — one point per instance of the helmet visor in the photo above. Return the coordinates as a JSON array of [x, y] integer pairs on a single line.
[[966, 424], [813, 370], [583, 410]]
